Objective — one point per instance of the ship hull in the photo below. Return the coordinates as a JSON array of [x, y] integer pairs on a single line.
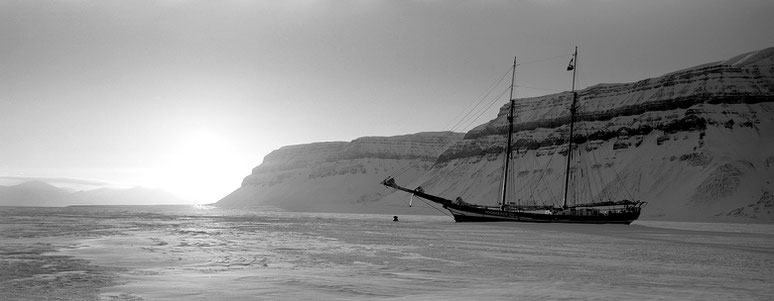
[[465, 213]]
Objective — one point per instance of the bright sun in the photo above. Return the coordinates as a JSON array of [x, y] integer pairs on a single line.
[[202, 167]]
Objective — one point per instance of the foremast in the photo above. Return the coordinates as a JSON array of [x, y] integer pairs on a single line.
[[510, 138]]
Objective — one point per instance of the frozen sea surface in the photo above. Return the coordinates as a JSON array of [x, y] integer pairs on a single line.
[[200, 253]]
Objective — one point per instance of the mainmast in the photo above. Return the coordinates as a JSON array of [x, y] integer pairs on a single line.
[[572, 66], [510, 137]]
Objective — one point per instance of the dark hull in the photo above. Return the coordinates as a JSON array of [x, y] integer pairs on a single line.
[[466, 213], [610, 212]]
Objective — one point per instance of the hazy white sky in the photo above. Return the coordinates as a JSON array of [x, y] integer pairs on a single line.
[[190, 95]]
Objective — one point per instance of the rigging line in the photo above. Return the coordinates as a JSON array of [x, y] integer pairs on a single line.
[[605, 190], [434, 150], [544, 59], [490, 104], [518, 165], [404, 201], [428, 204], [543, 199], [500, 181], [598, 174], [513, 175], [451, 130], [577, 175], [510, 185], [439, 210], [542, 174], [584, 166], [589, 175], [437, 149], [531, 188], [483, 97], [618, 177], [539, 88], [619, 180], [550, 189], [602, 182], [551, 194], [400, 171], [571, 183], [481, 111], [615, 178], [547, 189], [463, 119], [486, 109]]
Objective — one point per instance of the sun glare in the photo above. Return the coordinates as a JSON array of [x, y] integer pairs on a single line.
[[202, 167]]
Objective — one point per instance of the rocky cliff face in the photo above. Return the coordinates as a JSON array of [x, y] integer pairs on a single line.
[[338, 176], [697, 144]]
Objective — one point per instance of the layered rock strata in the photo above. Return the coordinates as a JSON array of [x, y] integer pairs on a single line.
[[696, 144], [338, 176]]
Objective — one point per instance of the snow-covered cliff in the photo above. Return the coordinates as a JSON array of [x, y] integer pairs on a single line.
[[338, 176], [697, 144]]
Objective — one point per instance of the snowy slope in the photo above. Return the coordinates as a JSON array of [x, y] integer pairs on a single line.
[[338, 176], [697, 144]]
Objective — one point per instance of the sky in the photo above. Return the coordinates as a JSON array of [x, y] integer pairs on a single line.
[[189, 96]]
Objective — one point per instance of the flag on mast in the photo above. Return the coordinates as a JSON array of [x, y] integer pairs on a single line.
[[570, 67]]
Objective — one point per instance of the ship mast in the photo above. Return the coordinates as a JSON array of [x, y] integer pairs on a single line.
[[572, 66], [510, 138]]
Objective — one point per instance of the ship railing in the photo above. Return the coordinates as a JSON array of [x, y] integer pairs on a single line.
[[529, 207], [610, 204]]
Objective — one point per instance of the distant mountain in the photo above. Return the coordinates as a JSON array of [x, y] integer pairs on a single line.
[[41, 194], [33, 193], [696, 144], [130, 196]]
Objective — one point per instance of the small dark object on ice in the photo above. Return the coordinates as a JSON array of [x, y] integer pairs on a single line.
[[395, 218]]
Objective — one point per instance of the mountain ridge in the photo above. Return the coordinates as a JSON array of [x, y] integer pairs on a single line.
[[693, 143], [341, 176], [43, 194]]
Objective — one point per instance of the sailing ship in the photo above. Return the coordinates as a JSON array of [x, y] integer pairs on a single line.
[[601, 212]]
